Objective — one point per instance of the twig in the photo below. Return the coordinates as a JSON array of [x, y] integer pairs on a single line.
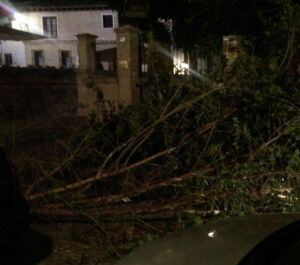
[[164, 117], [149, 226], [83, 213], [99, 176], [81, 148]]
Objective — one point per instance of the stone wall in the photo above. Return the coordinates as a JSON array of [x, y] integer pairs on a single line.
[[121, 90], [128, 64], [32, 93], [93, 86]]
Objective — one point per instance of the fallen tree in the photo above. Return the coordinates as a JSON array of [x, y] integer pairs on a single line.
[[190, 146], [226, 144]]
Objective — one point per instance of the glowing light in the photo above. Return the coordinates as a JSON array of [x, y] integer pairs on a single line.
[[20, 21], [126, 199], [216, 212], [176, 62], [180, 67], [184, 66], [19, 17], [281, 196], [212, 234]]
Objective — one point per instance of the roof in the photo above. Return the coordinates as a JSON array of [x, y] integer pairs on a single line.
[[58, 5], [7, 33]]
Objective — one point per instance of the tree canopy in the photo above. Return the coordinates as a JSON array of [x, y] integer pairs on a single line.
[[199, 22]]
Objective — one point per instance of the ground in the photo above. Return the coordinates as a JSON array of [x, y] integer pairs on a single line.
[[76, 244], [88, 244]]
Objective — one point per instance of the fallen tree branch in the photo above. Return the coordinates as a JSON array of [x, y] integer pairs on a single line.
[[133, 209], [127, 196], [84, 145], [99, 176], [99, 226]]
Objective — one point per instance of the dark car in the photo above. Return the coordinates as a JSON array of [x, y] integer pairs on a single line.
[[19, 244], [263, 239]]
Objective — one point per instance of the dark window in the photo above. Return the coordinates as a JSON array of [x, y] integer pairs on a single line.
[[8, 59], [65, 59], [106, 60], [38, 58], [107, 21], [50, 27]]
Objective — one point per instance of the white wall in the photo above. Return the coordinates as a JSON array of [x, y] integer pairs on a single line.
[[17, 49], [51, 51], [69, 23]]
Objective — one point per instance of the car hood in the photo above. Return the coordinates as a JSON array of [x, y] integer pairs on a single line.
[[224, 242]]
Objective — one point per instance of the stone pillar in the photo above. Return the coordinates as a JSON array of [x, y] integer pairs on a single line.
[[128, 64], [87, 52], [85, 76]]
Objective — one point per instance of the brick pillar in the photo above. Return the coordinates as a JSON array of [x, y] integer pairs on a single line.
[[87, 67], [87, 52], [128, 64]]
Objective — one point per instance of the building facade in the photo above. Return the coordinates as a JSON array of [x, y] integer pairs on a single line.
[[60, 25]]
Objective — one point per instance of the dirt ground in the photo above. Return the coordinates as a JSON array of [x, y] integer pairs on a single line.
[[93, 244], [77, 244]]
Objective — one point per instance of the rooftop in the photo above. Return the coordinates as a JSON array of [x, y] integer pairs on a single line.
[[7, 33], [57, 5]]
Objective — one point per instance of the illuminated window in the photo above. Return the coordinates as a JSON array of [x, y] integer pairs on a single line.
[[181, 62], [230, 46], [107, 21], [50, 27]]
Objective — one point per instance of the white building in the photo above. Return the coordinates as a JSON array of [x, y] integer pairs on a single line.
[[59, 24], [12, 53]]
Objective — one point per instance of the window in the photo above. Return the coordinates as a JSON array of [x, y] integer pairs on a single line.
[[38, 58], [8, 59], [65, 59], [181, 62], [106, 60], [50, 27], [230, 46], [107, 21]]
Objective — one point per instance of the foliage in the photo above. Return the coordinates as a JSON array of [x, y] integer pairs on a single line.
[[252, 147], [199, 24]]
